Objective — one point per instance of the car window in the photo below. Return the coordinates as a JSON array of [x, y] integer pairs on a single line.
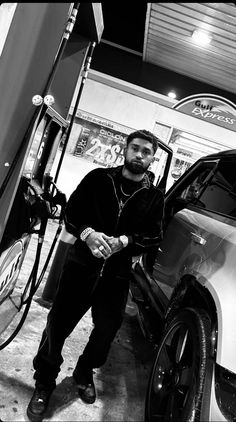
[[220, 194], [193, 190], [188, 188]]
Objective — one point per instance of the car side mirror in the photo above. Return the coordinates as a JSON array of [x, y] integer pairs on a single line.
[[176, 205], [172, 208], [180, 203]]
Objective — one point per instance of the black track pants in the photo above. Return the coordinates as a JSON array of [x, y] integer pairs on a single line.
[[72, 301]]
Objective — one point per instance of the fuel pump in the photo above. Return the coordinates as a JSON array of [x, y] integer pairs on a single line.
[[16, 297], [35, 64]]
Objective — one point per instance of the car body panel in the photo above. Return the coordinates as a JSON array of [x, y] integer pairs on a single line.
[[217, 274], [180, 251], [210, 263], [215, 413]]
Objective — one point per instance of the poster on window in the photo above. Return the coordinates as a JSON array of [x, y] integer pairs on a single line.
[[100, 141]]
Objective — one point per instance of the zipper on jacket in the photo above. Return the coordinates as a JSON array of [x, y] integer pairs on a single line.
[[121, 207], [101, 270]]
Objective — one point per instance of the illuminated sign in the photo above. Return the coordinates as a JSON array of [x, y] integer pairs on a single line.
[[211, 108]]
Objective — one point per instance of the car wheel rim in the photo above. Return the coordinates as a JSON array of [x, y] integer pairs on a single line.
[[175, 374]]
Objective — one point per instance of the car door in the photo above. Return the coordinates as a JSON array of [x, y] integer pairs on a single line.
[[183, 243], [207, 198]]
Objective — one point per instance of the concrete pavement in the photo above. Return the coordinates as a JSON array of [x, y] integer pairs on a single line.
[[120, 383]]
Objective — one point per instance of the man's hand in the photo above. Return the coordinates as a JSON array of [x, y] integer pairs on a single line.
[[98, 244], [115, 244]]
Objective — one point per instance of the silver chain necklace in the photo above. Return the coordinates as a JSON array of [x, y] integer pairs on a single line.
[[125, 194]]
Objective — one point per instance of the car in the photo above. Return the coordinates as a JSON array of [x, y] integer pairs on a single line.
[[185, 294]]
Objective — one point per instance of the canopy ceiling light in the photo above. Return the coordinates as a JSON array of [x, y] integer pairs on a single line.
[[201, 37], [172, 94]]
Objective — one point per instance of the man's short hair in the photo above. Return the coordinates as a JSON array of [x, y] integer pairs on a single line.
[[144, 134]]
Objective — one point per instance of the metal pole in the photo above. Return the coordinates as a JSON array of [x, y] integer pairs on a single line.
[[66, 239], [66, 36], [84, 77], [50, 288]]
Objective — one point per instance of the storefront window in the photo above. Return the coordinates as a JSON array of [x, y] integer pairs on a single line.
[[187, 149]]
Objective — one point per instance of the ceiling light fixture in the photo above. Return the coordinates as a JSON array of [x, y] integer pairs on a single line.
[[172, 94], [201, 37]]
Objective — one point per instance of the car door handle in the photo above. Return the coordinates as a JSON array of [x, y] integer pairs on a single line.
[[197, 238]]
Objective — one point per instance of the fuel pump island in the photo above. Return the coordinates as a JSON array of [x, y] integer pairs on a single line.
[[40, 67]]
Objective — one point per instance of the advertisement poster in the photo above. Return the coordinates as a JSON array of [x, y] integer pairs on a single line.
[[100, 141]]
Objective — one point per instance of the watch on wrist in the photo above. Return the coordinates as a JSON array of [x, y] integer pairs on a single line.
[[124, 240]]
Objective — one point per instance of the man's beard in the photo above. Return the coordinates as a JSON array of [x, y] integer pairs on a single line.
[[135, 167]]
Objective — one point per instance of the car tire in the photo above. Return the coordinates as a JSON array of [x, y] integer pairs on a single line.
[[176, 383]]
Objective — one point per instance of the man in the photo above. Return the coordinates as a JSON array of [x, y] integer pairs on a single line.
[[115, 213]]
